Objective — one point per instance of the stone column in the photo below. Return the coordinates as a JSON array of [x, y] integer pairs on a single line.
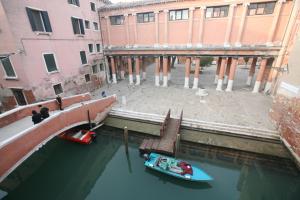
[[260, 74], [251, 71], [157, 66], [233, 66], [196, 74], [201, 26], [137, 71], [218, 70], [130, 70], [113, 69], [107, 69], [270, 78], [143, 68], [166, 27], [135, 29], [227, 71], [165, 71], [221, 74], [242, 24], [161, 68], [190, 33], [187, 72], [273, 28], [169, 68], [122, 65], [156, 28], [108, 29], [229, 25]]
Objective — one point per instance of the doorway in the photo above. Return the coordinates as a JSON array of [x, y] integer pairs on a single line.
[[19, 95]]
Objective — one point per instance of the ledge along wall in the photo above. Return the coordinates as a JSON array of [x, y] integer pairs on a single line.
[[30, 140], [262, 145]]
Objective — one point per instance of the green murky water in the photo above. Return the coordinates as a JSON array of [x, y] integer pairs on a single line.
[[65, 170]]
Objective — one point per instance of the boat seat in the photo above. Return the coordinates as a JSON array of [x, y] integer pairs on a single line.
[[77, 135]]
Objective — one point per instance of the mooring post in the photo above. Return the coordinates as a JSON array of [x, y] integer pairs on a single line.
[[126, 138], [177, 144], [89, 118]]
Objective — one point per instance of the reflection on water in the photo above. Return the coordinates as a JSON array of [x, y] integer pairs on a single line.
[[102, 170]]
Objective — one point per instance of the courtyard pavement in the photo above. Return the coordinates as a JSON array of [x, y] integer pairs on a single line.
[[240, 107]]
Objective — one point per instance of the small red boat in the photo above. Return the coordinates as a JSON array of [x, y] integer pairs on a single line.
[[78, 135]]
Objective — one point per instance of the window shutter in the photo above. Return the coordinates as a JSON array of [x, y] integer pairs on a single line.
[[73, 24], [46, 21], [31, 20], [81, 26]]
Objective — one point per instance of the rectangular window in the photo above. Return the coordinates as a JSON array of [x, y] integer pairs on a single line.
[[93, 7], [83, 57], [39, 20], [178, 14], [101, 67], [98, 47], [8, 68], [91, 48], [95, 69], [87, 78], [96, 26], [50, 62], [74, 2], [217, 12], [145, 17], [87, 24], [261, 8], [77, 24], [58, 89], [116, 20]]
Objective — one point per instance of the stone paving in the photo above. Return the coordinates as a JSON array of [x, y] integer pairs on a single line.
[[240, 107]]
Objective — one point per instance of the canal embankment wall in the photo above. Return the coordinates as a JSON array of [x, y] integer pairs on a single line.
[[249, 139]]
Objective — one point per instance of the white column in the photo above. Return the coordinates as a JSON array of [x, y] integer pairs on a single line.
[[130, 79], [165, 81], [138, 79], [156, 80], [196, 81], [114, 78]]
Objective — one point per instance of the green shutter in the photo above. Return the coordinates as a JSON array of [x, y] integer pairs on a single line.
[[31, 20], [50, 62], [9, 70], [83, 57], [46, 21]]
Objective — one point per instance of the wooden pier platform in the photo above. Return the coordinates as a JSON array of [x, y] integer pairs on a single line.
[[166, 144]]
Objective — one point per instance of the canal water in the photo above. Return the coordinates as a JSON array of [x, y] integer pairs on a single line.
[[65, 170]]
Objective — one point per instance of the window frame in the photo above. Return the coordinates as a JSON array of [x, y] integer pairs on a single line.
[[97, 69], [98, 45], [92, 45], [96, 23], [90, 78], [56, 63], [214, 8], [12, 66], [143, 16], [115, 16], [85, 24], [176, 12], [92, 3], [71, 2], [81, 32], [44, 31], [257, 7], [62, 88], [85, 57]]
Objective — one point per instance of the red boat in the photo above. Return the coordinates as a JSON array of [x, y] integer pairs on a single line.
[[79, 136]]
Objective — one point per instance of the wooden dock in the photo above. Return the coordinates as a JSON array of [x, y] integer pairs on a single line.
[[166, 144]]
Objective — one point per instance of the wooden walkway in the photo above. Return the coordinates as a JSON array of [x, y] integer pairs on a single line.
[[169, 134]]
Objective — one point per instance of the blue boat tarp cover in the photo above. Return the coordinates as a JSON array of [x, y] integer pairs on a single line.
[[176, 168]]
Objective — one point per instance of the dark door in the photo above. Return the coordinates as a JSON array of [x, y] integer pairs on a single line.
[[18, 93]]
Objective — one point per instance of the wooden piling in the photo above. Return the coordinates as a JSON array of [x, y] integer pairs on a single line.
[[126, 138], [177, 145]]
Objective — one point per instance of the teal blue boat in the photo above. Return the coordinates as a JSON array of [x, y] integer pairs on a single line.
[[177, 168]]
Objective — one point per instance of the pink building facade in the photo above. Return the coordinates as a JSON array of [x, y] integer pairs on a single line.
[[258, 30], [48, 48]]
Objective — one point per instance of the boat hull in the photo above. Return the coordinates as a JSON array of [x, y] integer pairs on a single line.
[[197, 174], [85, 137]]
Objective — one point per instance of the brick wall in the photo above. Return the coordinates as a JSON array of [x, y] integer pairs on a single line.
[[285, 112]]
